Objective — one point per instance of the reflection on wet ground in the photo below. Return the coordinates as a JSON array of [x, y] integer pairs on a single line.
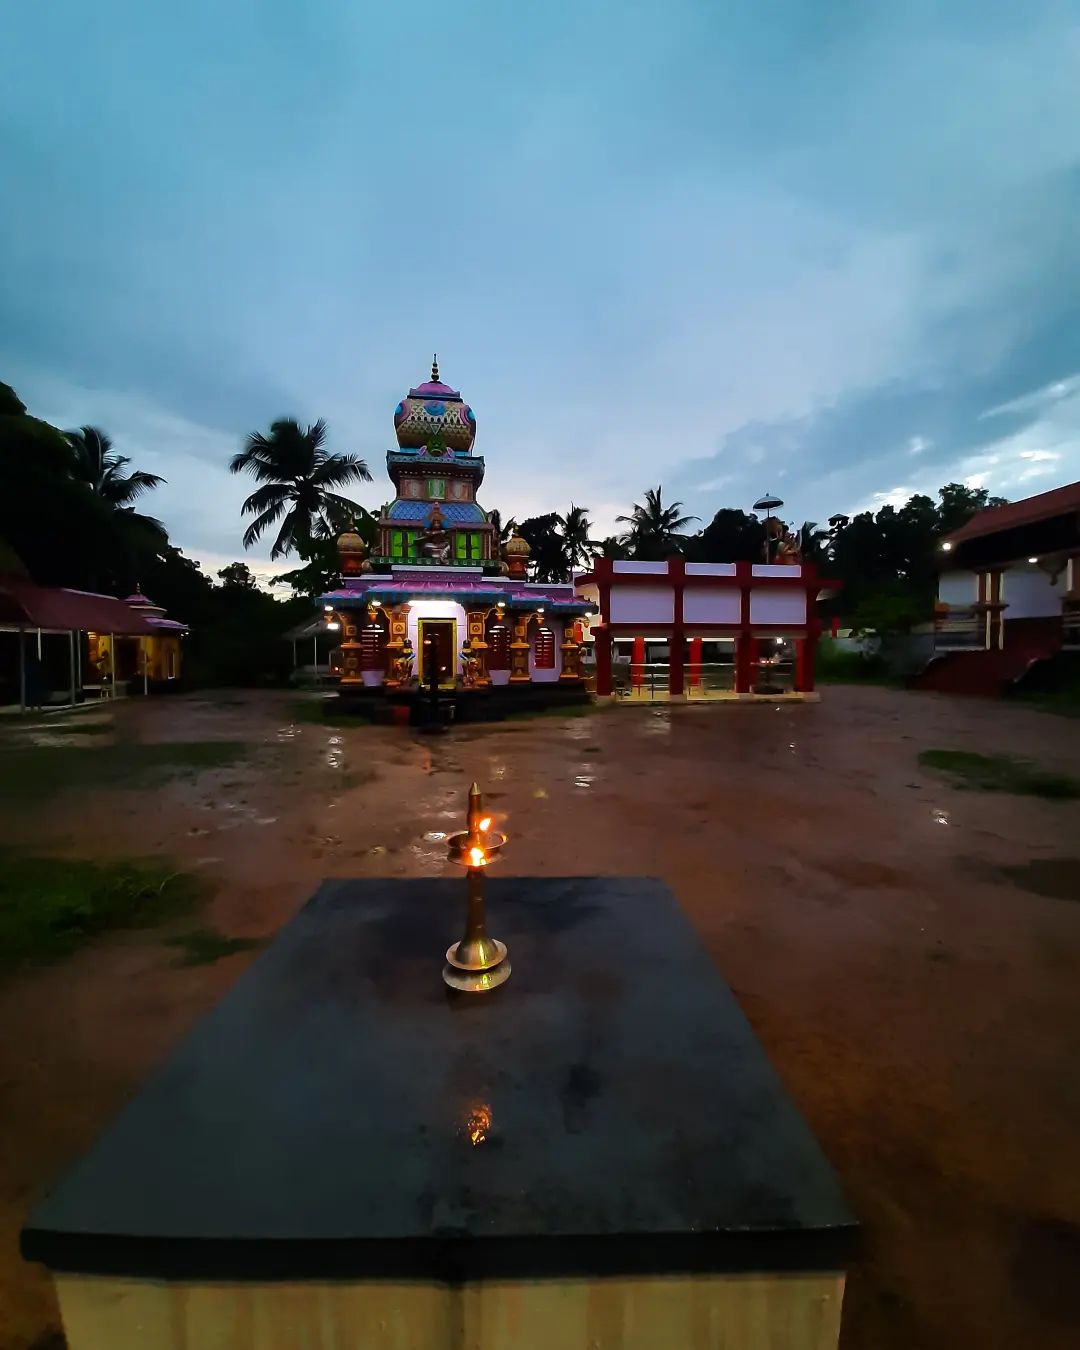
[[915, 985]]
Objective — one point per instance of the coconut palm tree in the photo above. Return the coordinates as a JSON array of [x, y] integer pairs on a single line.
[[655, 529], [298, 475], [502, 532], [105, 473], [576, 544]]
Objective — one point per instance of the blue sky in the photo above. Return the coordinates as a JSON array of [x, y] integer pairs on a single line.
[[826, 249]]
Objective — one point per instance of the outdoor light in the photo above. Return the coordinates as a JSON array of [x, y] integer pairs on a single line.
[[1033, 560], [328, 609], [539, 609], [375, 604], [333, 626], [946, 546]]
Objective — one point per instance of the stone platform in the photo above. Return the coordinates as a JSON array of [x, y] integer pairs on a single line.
[[597, 1154]]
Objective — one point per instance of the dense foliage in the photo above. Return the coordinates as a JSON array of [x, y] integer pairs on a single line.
[[886, 560], [66, 518]]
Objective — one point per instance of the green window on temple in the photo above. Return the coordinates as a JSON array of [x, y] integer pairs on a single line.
[[436, 489], [468, 546], [410, 544], [397, 543]]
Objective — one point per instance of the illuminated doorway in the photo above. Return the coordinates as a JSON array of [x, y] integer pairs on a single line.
[[438, 642]]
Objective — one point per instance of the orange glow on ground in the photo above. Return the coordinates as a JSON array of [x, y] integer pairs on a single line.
[[478, 1124]]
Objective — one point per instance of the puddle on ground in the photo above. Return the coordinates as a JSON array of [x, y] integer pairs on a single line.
[[1055, 878], [939, 817], [289, 733]]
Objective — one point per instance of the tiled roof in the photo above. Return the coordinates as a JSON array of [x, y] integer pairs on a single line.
[[1060, 501], [57, 607], [453, 513]]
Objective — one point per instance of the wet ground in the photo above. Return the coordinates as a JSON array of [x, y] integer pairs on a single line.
[[909, 953]]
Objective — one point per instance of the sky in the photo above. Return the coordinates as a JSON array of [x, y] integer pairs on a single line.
[[822, 248]]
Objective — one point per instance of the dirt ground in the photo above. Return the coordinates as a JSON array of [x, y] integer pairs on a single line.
[[921, 1002]]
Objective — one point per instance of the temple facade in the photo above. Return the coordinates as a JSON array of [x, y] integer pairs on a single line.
[[436, 598]]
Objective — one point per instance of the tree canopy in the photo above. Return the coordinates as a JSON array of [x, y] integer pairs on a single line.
[[298, 476]]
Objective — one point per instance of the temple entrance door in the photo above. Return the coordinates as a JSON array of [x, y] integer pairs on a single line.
[[438, 638]]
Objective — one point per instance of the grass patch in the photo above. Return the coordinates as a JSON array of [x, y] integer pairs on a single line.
[[204, 946], [51, 906], [33, 772], [328, 712], [77, 726], [999, 773], [1065, 702]]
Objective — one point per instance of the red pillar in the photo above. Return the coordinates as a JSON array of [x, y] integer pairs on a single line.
[[804, 663], [676, 570], [743, 682], [637, 663], [800, 664], [695, 662], [676, 650], [602, 652]]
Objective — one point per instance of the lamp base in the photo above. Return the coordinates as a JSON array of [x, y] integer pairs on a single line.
[[476, 981]]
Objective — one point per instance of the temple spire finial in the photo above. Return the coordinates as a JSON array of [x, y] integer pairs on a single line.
[[435, 368]]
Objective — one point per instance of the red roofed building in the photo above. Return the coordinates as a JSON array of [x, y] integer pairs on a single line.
[[58, 645], [1008, 594]]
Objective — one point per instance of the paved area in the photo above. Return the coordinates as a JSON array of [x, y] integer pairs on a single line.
[[908, 953]]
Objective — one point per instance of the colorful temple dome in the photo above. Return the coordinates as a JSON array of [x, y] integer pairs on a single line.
[[436, 416]]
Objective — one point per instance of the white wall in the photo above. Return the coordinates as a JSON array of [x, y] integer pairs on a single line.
[[710, 569], [642, 604], [436, 609], [770, 604], [701, 605], [658, 568], [1030, 594], [958, 588]]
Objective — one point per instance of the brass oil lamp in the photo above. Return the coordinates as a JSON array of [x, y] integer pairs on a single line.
[[477, 963]]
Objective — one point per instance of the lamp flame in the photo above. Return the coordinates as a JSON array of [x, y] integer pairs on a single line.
[[485, 824], [477, 857]]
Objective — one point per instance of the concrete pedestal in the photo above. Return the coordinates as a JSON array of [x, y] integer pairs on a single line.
[[341, 1156]]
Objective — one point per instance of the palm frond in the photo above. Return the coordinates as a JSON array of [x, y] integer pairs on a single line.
[[263, 521], [337, 470]]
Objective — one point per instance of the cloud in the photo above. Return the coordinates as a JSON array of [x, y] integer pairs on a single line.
[[836, 245]]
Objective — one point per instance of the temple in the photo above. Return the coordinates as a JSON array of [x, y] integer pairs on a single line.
[[436, 601]]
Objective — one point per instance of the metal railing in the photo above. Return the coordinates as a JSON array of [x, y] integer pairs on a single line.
[[960, 630], [1070, 629], [644, 679], [709, 677], [774, 677]]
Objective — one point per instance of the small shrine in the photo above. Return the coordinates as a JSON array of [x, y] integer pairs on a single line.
[[436, 602]]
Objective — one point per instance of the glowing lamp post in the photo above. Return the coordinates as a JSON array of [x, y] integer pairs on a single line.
[[477, 963]]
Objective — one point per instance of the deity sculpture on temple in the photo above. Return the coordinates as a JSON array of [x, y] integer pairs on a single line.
[[401, 668], [472, 667], [789, 549], [435, 540]]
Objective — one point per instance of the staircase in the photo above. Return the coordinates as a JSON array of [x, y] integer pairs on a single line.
[[988, 674]]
